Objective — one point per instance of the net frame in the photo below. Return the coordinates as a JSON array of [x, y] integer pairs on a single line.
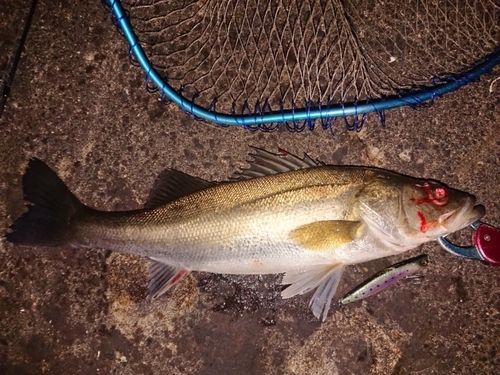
[[296, 118]]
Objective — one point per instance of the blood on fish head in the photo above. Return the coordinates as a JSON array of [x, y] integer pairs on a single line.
[[404, 212], [433, 209]]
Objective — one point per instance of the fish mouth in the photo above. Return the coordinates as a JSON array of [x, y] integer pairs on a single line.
[[478, 211], [463, 217]]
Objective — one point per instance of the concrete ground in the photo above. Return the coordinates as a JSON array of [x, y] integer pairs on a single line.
[[78, 104]]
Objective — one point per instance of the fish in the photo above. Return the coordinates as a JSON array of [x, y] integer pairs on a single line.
[[281, 215], [385, 278]]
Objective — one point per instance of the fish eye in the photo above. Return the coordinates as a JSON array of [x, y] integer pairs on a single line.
[[440, 196], [436, 193], [440, 192]]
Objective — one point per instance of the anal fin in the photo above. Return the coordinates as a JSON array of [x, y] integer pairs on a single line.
[[162, 277]]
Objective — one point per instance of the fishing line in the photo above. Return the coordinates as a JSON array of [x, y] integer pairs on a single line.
[[304, 63], [7, 79]]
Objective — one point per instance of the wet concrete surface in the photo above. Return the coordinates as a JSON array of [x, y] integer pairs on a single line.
[[78, 104]]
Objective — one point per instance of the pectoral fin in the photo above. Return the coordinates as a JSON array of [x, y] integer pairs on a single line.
[[162, 277], [325, 277], [326, 235]]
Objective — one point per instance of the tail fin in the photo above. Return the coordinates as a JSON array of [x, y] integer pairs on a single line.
[[46, 223]]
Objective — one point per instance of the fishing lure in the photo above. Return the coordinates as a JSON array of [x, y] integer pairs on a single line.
[[386, 278]]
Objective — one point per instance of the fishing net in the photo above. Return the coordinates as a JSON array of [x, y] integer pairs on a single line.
[[256, 57]]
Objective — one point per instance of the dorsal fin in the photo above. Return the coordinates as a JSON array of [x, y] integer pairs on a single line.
[[266, 163], [171, 185]]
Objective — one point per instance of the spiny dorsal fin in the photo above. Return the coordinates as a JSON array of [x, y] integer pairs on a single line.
[[162, 277], [171, 185], [266, 163]]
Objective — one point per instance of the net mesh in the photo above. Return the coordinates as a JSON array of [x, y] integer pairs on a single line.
[[272, 53]]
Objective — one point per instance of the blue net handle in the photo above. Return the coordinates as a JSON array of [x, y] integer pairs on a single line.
[[412, 98]]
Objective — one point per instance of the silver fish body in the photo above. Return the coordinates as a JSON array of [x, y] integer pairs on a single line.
[[282, 215], [231, 228]]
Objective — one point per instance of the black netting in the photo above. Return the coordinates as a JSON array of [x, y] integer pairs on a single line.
[[310, 50]]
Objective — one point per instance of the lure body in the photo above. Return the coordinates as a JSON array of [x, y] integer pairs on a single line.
[[386, 278]]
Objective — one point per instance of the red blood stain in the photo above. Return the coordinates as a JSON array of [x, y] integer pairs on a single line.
[[423, 222], [177, 277], [437, 195], [258, 262], [420, 200]]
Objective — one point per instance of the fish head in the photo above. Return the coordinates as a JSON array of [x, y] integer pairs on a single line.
[[403, 212], [433, 209]]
